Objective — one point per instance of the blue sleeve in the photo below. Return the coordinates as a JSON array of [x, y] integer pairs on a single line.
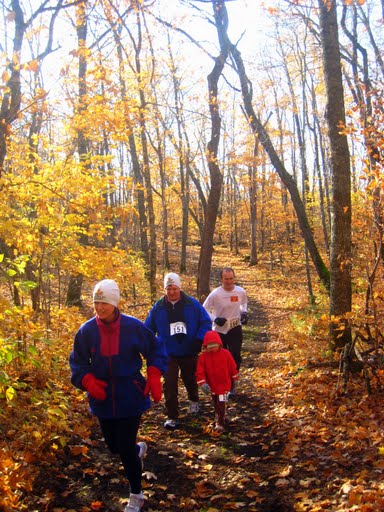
[[204, 321], [150, 320], [79, 359], [153, 349]]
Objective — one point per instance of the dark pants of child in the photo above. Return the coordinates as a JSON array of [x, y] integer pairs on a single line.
[[220, 409], [120, 436], [233, 341], [187, 367]]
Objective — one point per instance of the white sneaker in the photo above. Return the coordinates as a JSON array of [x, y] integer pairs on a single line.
[[171, 424], [135, 503], [194, 407], [142, 452]]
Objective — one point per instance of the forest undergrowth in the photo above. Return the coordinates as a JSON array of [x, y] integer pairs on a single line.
[[294, 442]]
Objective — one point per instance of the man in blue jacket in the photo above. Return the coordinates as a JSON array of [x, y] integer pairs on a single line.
[[181, 322], [106, 361]]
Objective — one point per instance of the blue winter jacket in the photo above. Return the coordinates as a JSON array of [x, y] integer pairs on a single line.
[[125, 391], [197, 323]]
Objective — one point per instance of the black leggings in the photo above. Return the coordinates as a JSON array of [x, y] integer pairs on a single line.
[[120, 436], [233, 341]]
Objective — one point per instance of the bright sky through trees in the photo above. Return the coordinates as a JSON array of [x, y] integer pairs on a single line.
[[248, 20]]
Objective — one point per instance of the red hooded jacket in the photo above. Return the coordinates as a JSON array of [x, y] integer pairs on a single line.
[[217, 369]]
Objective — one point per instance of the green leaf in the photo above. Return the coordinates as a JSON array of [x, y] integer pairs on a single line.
[[33, 350], [26, 286], [9, 356]]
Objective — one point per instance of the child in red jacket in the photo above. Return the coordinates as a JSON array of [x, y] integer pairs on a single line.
[[216, 372]]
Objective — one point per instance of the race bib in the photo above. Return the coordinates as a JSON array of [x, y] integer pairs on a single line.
[[178, 328], [233, 322]]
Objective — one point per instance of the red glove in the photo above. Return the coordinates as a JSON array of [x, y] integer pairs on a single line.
[[95, 387], [153, 383]]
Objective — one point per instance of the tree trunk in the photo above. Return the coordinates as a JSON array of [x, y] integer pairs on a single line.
[[341, 287], [253, 260], [183, 162], [158, 147], [319, 151], [216, 178], [362, 92], [300, 129], [135, 163], [151, 254], [76, 281], [139, 196], [10, 105], [74, 291]]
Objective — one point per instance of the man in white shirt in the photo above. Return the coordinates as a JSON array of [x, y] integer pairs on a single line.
[[227, 307]]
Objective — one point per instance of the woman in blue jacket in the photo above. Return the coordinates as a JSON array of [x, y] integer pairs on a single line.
[[181, 321], [106, 361]]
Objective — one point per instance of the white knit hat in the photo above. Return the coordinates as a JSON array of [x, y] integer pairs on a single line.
[[172, 279], [107, 291]]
